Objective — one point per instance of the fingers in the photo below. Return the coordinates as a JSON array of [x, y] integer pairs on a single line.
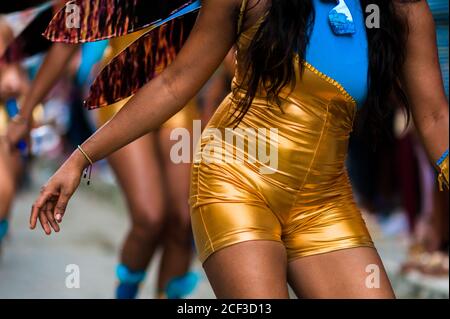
[[49, 214], [61, 205], [33, 216], [51, 204], [38, 207], [44, 222]]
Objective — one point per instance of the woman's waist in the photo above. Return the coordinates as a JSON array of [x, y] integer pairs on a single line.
[[311, 92], [286, 143], [291, 115]]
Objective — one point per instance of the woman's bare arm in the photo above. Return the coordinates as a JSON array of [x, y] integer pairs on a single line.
[[52, 68], [210, 40], [212, 37], [422, 80]]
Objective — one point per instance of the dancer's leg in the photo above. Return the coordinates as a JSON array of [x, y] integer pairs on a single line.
[[250, 269], [342, 274], [7, 185], [9, 169], [177, 251], [138, 172]]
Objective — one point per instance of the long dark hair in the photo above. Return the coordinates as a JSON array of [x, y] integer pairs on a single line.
[[270, 60]]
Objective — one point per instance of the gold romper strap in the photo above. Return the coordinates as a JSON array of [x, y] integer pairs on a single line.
[[241, 15]]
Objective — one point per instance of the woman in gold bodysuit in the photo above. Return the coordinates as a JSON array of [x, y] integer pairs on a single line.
[[271, 203]]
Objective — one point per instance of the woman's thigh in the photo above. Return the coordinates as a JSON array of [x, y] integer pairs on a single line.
[[342, 274], [250, 269]]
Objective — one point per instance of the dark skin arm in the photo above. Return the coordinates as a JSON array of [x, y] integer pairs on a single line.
[[210, 40], [422, 80], [51, 70]]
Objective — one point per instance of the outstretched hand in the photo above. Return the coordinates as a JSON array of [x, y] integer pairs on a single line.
[[52, 202]]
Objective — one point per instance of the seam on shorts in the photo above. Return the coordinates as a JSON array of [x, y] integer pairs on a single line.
[[219, 125], [201, 149], [319, 142], [200, 164], [200, 210], [322, 252]]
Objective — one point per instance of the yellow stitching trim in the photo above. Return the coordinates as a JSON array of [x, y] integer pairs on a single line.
[[328, 79]]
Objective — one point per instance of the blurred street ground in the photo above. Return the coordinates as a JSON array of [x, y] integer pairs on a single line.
[[33, 265]]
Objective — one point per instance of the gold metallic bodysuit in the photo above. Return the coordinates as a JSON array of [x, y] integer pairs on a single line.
[[305, 201]]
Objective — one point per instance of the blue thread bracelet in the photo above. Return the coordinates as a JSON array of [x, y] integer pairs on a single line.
[[442, 159]]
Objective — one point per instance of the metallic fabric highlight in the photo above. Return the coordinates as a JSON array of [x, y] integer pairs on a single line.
[[301, 197]]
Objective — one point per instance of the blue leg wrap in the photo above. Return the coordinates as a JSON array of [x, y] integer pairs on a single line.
[[129, 282], [182, 286], [4, 225]]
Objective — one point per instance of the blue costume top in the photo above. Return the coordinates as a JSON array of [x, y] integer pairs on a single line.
[[345, 58]]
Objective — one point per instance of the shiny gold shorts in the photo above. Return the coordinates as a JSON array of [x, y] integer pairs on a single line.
[[306, 203]]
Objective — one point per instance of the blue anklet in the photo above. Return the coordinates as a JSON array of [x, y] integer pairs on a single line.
[[4, 225], [182, 286], [129, 282]]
